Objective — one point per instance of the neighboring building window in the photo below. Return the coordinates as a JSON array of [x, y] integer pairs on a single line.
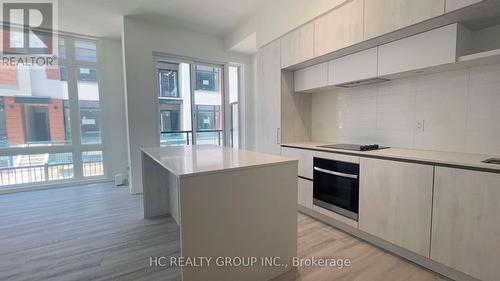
[[208, 117], [62, 48], [3, 129], [90, 117], [169, 81], [67, 123], [64, 73], [207, 78], [86, 74], [85, 51], [170, 120]]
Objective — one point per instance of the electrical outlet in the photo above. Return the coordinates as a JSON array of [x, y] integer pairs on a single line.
[[420, 125]]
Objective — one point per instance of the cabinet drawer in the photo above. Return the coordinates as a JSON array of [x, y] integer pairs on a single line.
[[305, 158], [305, 193]]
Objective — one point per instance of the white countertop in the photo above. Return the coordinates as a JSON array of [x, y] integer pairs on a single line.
[[200, 159], [438, 157]]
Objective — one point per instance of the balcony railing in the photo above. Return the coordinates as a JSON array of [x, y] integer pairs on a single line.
[[46, 172], [35, 173], [177, 138]]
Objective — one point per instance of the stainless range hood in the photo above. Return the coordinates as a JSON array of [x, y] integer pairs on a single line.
[[364, 82]]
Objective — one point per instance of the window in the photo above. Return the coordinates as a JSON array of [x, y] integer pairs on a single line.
[[87, 75], [62, 48], [42, 112], [233, 105], [207, 78], [208, 117], [85, 51], [90, 112], [169, 80], [92, 163], [33, 168]]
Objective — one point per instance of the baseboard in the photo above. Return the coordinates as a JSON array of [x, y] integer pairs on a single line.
[[387, 246]]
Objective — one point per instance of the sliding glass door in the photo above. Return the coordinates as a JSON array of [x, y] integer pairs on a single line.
[[191, 102], [208, 104]]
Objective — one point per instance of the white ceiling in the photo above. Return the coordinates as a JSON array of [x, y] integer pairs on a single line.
[[103, 17]]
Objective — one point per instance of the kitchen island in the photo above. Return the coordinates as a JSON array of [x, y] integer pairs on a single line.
[[229, 203]]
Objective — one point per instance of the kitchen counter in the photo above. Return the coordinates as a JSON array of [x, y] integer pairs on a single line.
[[228, 203], [462, 160], [195, 160]]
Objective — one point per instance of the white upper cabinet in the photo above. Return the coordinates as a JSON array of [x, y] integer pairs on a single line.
[[452, 5], [358, 66], [310, 78], [384, 16], [431, 48], [297, 46], [339, 28]]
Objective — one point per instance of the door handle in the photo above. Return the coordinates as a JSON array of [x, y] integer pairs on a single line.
[[335, 173]]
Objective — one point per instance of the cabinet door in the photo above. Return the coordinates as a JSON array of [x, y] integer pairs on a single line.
[[312, 77], [358, 66], [339, 28], [384, 16], [452, 5], [305, 158], [305, 193], [431, 48], [465, 222], [395, 201], [297, 46], [268, 99]]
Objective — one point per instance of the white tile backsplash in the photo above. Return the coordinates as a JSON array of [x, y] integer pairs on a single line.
[[461, 110]]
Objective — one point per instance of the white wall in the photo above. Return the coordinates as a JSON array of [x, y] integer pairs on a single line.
[[140, 39], [113, 108], [460, 109], [275, 18]]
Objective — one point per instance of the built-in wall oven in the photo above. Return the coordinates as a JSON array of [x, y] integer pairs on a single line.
[[336, 186]]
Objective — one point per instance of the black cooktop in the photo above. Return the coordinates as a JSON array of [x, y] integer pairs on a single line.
[[355, 147]]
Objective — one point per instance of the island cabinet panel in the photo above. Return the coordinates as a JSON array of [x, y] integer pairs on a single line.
[[452, 5], [395, 202], [384, 16], [339, 28], [428, 49], [297, 45], [305, 193], [268, 97], [465, 222], [305, 158]]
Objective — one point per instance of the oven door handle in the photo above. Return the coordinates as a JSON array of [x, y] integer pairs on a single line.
[[351, 176]]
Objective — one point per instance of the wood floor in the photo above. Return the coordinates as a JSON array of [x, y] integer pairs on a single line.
[[97, 232]]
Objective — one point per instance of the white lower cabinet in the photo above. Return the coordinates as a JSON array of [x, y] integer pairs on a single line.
[[395, 201], [305, 158], [466, 222], [305, 193]]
